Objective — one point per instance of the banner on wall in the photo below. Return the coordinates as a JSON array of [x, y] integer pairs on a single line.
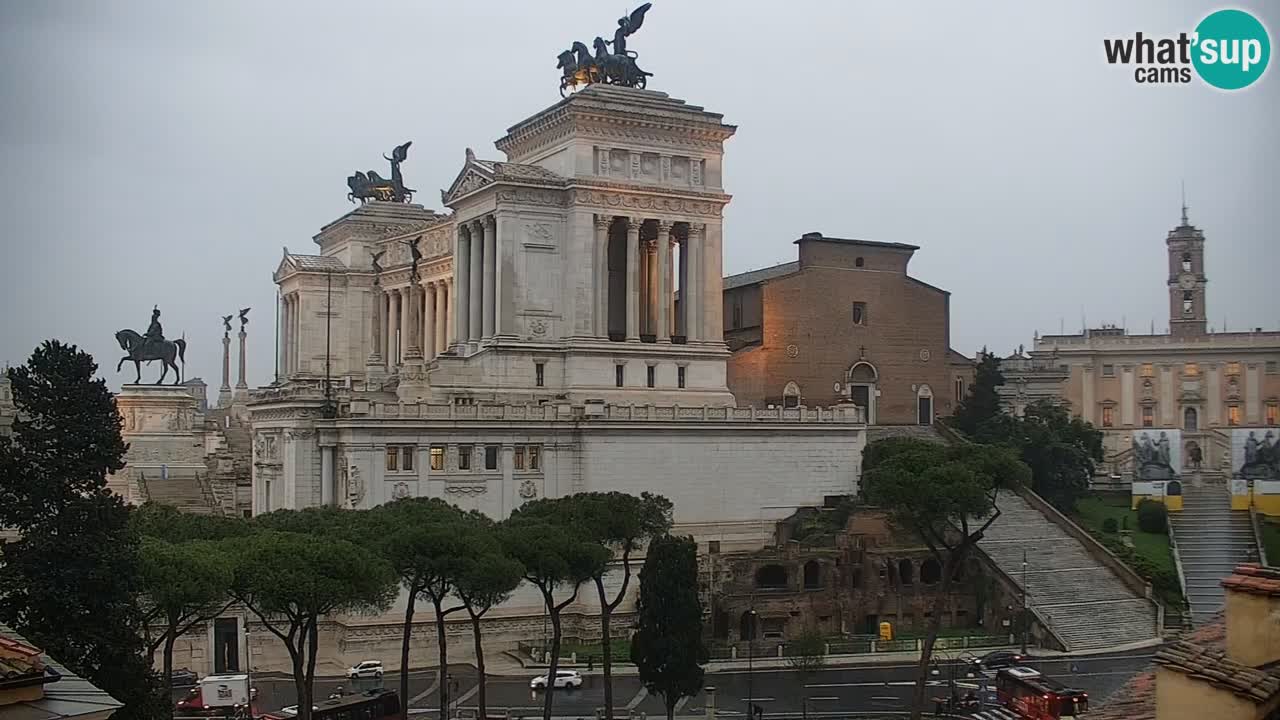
[[1157, 455], [1255, 453]]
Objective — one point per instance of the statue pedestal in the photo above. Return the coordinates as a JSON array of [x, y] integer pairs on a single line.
[[163, 427], [413, 386]]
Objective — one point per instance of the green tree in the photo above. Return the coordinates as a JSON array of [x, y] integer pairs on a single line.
[[71, 580], [981, 405], [555, 559], [427, 543], [667, 647], [183, 585], [291, 580], [488, 578], [1061, 451], [945, 496], [620, 522]]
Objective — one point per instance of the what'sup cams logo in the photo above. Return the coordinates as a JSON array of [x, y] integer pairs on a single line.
[[1229, 50]]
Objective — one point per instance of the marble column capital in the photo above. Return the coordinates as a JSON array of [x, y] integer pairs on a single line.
[[603, 222]]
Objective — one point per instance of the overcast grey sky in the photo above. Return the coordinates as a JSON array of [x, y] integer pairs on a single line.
[[162, 152]]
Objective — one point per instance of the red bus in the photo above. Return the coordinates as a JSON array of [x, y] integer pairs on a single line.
[[1035, 697]]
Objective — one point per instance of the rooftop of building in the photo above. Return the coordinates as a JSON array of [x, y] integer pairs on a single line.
[[65, 694], [751, 277], [316, 263], [854, 241]]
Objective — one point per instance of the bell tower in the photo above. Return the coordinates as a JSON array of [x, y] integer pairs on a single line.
[[1187, 311]]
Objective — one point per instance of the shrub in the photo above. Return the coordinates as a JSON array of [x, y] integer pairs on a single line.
[[1153, 517], [1110, 526]]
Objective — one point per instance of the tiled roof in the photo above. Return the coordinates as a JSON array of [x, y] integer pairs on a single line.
[[754, 276], [1255, 579], [1212, 665], [1136, 699], [67, 697], [525, 173], [321, 263]]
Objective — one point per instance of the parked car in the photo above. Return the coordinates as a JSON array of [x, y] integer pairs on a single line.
[[366, 668], [564, 679], [182, 677], [997, 660]]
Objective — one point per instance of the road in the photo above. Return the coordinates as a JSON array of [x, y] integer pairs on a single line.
[[831, 691]]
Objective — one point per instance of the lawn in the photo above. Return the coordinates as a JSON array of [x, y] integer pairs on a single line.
[[620, 649], [1150, 557], [1271, 540]]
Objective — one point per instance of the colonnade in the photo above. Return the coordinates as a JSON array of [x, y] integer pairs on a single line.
[[291, 360], [650, 280], [476, 269], [412, 321]]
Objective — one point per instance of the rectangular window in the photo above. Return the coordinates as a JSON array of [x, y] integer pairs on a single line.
[[539, 374], [393, 459], [490, 457], [859, 313], [1108, 371], [650, 373], [1233, 368], [1233, 414], [517, 458], [1273, 367], [617, 375], [406, 457], [1148, 370], [1273, 414], [535, 457], [1148, 416], [464, 457], [680, 377], [1191, 370], [1108, 416], [437, 457]]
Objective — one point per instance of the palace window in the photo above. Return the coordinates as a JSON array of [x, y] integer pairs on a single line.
[[406, 457], [540, 374], [464, 456], [859, 313], [490, 457], [437, 457], [1148, 370], [1233, 414], [1148, 416], [650, 376], [1108, 371], [517, 458], [680, 377], [393, 458], [1233, 368], [400, 458], [1108, 416], [617, 375], [1273, 414], [1191, 370], [1273, 367], [535, 457]]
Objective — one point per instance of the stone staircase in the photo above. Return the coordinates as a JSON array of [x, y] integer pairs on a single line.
[[1212, 539], [182, 489], [1081, 599]]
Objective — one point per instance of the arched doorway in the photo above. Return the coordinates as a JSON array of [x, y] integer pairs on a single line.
[[812, 575], [1190, 419], [747, 626], [924, 405], [791, 395], [862, 380]]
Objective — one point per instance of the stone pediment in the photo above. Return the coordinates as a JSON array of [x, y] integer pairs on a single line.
[[474, 175]]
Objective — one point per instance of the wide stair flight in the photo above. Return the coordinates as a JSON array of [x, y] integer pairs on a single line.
[[1081, 599], [1212, 539]]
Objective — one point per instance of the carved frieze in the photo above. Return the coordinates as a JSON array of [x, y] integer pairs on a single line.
[[529, 196], [626, 201], [539, 233]]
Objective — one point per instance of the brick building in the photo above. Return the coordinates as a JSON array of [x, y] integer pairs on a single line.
[[844, 323]]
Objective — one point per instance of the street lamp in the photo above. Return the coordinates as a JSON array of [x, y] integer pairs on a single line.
[[751, 636]]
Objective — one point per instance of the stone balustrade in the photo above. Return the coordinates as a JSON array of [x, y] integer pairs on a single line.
[[600, 412]]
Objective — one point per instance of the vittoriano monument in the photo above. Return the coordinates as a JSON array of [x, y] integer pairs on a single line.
[[152, 346], [580, 67], [372, 186]]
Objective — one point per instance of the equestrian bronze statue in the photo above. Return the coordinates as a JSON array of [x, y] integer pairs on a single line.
[[152, 346]]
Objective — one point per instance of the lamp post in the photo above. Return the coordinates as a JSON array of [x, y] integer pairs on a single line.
[[751, 636], [1025, 623]]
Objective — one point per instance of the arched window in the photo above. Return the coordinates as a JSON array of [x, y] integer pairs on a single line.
[[791, 395], [906, 575], [747, 626], [930, 571], [1190, 419], [1186, 262], [861, 383], [812, 575], [771, 577], [859, 262]]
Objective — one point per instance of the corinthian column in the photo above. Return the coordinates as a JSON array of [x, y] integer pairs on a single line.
[[375, 327], [663, 315], [633, 279], [413, 323], [601, 275], [450, 314], [429, 321], [393, 322], [475, 322], [697, 283], [490, 272], [462, 281], [406, 322]]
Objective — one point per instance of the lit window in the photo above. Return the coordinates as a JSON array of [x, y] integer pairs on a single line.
[[650, 373], [535, 460], [393, 459], [1191, 370], [1108, 416], [1108, 371], [490, 457], [1148, 416], [1233, 414], [680, 377], [539, 374], [859, 313], [1148, 370], [617, 375], [406, 457], [1233, 368], [437, 457], [464, 457], [1273, 414], [517, 458]]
